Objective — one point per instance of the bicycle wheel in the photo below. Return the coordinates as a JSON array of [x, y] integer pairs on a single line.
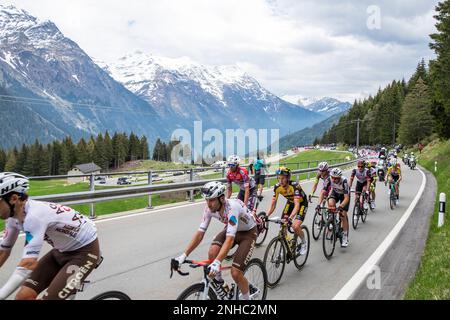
[[195, 292], [112, 295], [355, 216], [392, 199], [263, 234], [274, 261], [364, 215], [317, 225], [300, 260], [256, 275], [329, 239]]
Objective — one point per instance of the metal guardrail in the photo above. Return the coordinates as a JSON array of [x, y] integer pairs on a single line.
[[185, 170], [94, 196]]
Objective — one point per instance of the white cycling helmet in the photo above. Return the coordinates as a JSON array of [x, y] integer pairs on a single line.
[[213, 189], [336, 173], [394, 162], [233, 160], [13, 182], [323, 166]]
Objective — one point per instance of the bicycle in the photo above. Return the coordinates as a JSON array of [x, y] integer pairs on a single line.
[[319, 220], [208, 289], [333, 231], [283, 249], [358, 210], [392, 195]]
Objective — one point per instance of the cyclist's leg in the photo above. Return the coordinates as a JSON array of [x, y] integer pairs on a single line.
[[343, 214], [246, 243], [299, 218], [77, 267], [40, 278]]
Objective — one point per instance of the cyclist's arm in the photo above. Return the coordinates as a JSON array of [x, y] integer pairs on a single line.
[[229, 190], [314, 188], [247, 195]]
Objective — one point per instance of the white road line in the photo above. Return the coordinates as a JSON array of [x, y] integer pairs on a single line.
[[350, 287]]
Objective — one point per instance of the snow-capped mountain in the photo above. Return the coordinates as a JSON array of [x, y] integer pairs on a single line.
[[222, 96], [327, 106], [50, 88]]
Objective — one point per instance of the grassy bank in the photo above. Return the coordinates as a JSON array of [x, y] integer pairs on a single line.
[[432, 280]]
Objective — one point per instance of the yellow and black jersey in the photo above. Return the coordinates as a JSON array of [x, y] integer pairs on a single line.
[[292, 190]]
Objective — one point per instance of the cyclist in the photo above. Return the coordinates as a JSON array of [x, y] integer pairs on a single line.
[[340, 192], [382, 152], [363, 180], [239, 176], [373, 180], [240, 230], [72, 236], [395, 176], [296, 206], [323, 172], [260, 175], [412, 160]]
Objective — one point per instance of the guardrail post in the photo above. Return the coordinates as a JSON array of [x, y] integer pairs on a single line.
[[223, 172], [298, 176], [435, 166], [150, 181], [441, 210], [92, 188], [191, 193], [309, 166]]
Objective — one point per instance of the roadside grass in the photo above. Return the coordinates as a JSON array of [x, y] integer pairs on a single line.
[[432, 280]]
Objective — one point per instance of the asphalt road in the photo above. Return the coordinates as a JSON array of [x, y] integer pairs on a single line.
[[138, 249]]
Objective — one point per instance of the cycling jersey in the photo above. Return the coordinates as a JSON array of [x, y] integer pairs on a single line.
[[395, 172], [258, 165], [241, 178], [361, 177], [236, 217], [319, 177], [341, 187], [290, 192], [62, 227]]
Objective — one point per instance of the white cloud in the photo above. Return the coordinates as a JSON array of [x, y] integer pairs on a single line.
[[311, 48]]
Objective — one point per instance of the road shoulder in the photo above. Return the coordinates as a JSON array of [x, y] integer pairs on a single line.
[[401, 261]]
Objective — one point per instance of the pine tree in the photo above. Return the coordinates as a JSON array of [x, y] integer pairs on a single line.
[[11, 162], [144, 148], [107, 152], [22, 166], [3, 159], [416, 120], [440, 70]]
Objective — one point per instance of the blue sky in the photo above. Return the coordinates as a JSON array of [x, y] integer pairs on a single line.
[[311, 48]]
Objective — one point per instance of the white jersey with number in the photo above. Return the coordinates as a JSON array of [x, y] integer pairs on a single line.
[[236, 217], [62, 227]]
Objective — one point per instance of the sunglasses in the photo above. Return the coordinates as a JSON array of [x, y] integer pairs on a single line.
[[232, 166], [360, 166]]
